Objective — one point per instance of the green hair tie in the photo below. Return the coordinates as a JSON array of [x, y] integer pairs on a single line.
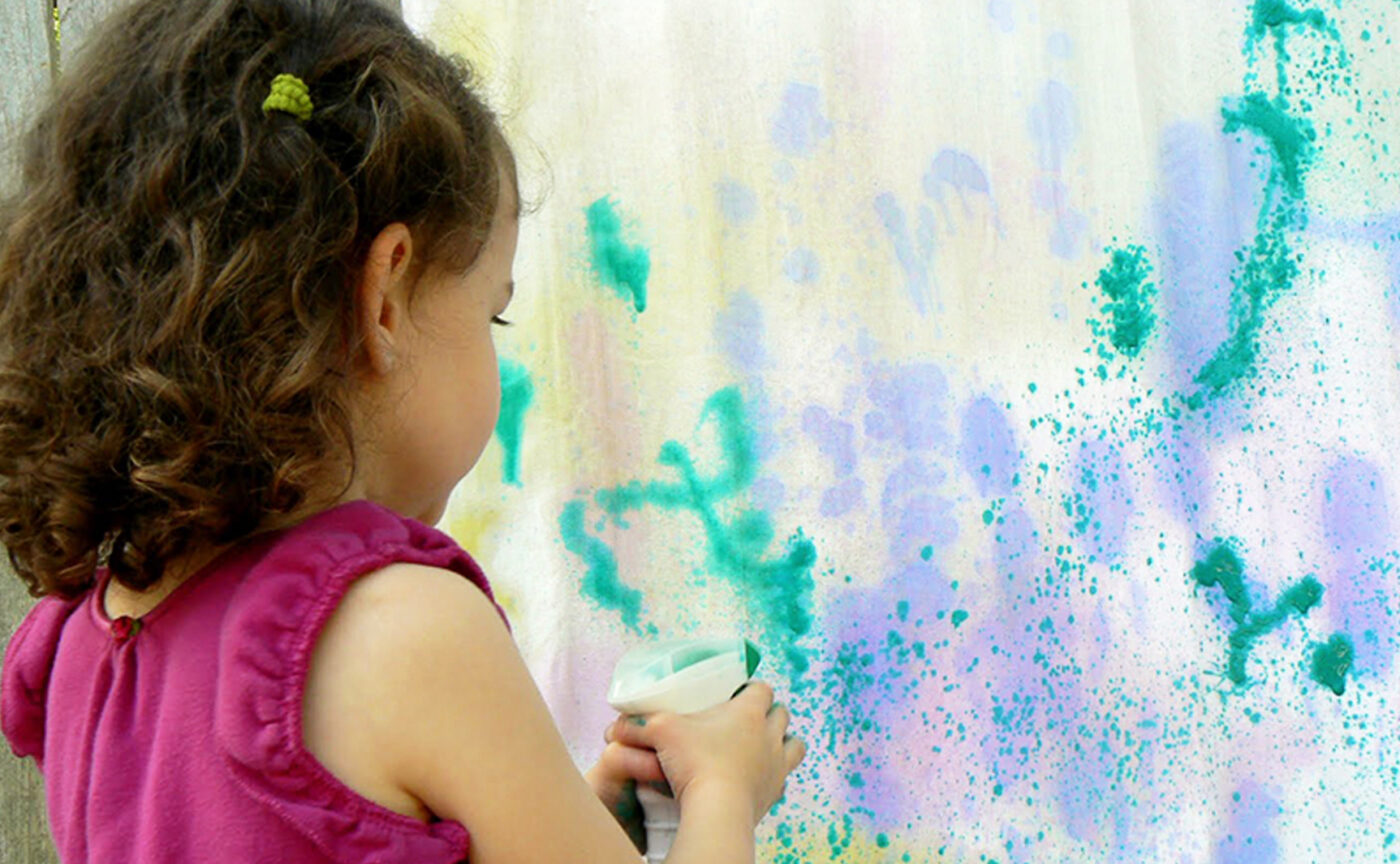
[[289, 94]]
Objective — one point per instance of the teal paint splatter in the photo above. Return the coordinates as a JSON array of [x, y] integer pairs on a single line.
[[959, 616], [1129, 307], [1268, 266], [1330, 662], [619, 266], [1273, 14], [517, 392], [780, 587], [1290, 138], [601, 582], [1223, 569]]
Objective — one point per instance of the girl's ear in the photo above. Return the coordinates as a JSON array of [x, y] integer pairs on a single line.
[[381, 298]]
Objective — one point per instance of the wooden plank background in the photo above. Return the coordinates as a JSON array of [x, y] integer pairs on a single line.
[[27, 60], [29, 55]]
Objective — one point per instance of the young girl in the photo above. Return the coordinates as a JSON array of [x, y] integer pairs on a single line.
[[246, 298]]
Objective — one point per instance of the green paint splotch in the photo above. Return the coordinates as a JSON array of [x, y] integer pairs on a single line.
[[1270, 15], [601, 581], [619, 266], [1223, 569], [1129, 308], [1269, 266], [1290, 137], [1267, 270], [517, 392], [778, 586], [1330, 662]]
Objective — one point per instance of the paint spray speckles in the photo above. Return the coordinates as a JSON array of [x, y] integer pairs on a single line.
[[617, 264]]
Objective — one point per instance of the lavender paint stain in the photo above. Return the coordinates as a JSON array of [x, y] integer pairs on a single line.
[[960, 173], [739, 331], [1355, 516], [799, 124], [737, 202], [911, 262], [802, 266]]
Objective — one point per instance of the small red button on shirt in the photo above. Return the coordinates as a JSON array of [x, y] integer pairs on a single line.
[[124, 628]]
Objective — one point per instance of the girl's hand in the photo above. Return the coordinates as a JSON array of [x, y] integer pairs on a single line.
[[614, 779], [738, 749]]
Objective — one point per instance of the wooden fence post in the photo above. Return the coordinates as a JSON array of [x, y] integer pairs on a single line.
[[27, 55], [26, 70]]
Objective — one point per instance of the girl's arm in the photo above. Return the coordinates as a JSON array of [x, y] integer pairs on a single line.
[[449, 714]]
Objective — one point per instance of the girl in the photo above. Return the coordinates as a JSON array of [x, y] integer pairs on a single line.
[[246, 297]]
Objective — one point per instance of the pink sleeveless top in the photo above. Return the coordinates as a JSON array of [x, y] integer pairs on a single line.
[[177, 737]]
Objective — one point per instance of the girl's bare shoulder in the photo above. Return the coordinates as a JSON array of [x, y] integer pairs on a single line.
[[382, 627], [417, 694]]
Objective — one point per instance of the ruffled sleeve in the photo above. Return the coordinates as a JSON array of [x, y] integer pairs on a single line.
[[24, 684], [264, 652]]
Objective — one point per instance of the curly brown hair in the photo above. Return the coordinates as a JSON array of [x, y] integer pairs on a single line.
[[177, 271]]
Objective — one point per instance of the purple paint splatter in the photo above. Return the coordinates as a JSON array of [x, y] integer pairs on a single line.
[[988, 449], [909, 406], [739, 332], [1356, 517], [801, 266], [799, 124], [736, 202], [835, 438], [1053, 125], [916, 279]]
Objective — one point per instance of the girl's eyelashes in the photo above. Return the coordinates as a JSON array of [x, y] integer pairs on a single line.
[[498, 320]]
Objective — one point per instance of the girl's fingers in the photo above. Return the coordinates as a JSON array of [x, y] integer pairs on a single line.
[[756, 693], [636, 730], [634, 763], [794, 750], [778, 717]]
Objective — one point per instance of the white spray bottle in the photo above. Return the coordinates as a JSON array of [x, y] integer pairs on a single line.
[[681, 676]]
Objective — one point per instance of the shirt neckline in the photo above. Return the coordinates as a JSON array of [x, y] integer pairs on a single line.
[[246, 546], [99, 594]]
